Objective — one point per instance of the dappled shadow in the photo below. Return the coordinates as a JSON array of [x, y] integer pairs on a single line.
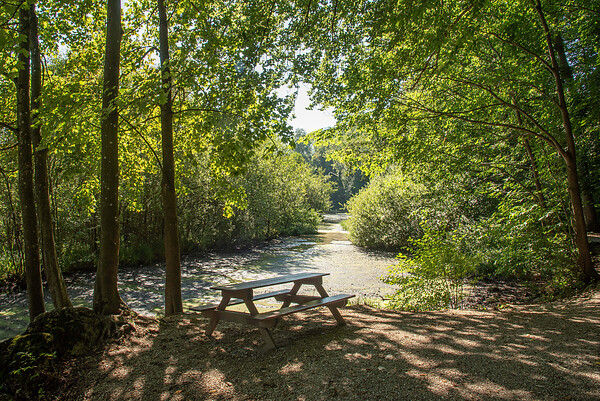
[[352, 270], [540, 352]]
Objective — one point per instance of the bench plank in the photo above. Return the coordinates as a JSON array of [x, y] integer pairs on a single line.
[[274, 294], [268, 281], [297, 299], [327, 301]]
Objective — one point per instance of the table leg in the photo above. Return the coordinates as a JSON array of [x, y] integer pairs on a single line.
[[337, 315], [266, 335], [264, 332], [214, 320], [334, 311], [321, 290], [251, 307], [293, 292], [212, 324]]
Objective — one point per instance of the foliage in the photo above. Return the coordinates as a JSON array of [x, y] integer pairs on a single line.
[[282, 196], [524, 241], [387, 212], [228, 62], [346, 181], [467, 87], [435, 273]]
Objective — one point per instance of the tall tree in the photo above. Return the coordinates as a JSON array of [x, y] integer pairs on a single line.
[[591, 217], [33, 274], [106, 293], [56, 284], [453, 69], [173, 301]]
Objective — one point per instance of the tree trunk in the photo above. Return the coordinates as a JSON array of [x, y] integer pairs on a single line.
[[581, 240], [106, 294], [589, 211], [56, 284], [33, 275], [570, 157], [534, 171], [173, 301]]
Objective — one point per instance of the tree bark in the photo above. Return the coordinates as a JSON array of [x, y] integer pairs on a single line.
[[589, 211], [534, 172], [570, 157], [173, 300], [106, 294], [56, 284], [33, 275]]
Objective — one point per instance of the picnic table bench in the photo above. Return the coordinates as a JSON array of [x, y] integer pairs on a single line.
[[243, 293]]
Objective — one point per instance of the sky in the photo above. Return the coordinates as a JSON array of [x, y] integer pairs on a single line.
[[310, 120]]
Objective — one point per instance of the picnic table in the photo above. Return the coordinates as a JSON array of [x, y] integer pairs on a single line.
[[243, 293]]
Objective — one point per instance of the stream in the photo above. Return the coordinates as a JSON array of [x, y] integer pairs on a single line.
[[352, 270]]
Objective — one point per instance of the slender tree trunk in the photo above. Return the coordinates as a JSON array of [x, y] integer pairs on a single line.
[[12, 230], [589, 211], [106, 294], [173, 301], [581, 239], [33, 275], [534, 171], [56, 284], [570, 157]]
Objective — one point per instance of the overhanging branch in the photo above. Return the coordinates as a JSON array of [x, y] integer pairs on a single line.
[[144, 139]]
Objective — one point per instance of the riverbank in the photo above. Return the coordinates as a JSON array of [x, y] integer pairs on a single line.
[[527, 352], [351, 270]]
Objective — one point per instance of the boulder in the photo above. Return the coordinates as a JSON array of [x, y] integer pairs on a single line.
[[27, 361]]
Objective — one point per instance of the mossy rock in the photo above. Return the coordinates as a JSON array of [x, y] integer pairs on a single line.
[[76, 331], [26, 360]]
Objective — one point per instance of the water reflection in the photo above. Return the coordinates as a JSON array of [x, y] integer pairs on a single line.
[[352, 270]]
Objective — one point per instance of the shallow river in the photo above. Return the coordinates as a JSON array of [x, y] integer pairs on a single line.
[[352, 271]]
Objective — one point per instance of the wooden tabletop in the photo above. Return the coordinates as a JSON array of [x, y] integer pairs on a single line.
[[246, 285]]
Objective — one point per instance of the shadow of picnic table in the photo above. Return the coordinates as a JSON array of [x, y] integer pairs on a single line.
[[540, 352]]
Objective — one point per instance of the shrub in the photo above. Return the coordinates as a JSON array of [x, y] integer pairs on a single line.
[[433, 277], [386, 213], [524, 241]]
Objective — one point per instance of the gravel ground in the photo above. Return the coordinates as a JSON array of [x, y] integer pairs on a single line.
[[523, 352]]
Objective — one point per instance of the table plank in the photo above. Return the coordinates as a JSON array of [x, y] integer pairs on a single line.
[[247, 285], [257, 297]]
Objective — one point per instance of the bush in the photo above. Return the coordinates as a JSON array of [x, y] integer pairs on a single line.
[[386, 213], [433, 277], [277, 195], [522, 240]]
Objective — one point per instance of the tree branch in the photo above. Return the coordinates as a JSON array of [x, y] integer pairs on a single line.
[[13, 15], [208, 110], [8, 126], [9, 147], [144, 139], [550, 140], [523, 48]]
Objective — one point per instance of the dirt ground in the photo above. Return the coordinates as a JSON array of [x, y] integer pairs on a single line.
[[522, 352]]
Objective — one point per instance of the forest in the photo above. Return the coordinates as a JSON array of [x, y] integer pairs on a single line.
[[467, 139]]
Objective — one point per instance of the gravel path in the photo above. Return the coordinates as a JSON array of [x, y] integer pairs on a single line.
[[534, 352]]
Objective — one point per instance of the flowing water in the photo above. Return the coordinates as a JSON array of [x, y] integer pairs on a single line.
[[352, 271]]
